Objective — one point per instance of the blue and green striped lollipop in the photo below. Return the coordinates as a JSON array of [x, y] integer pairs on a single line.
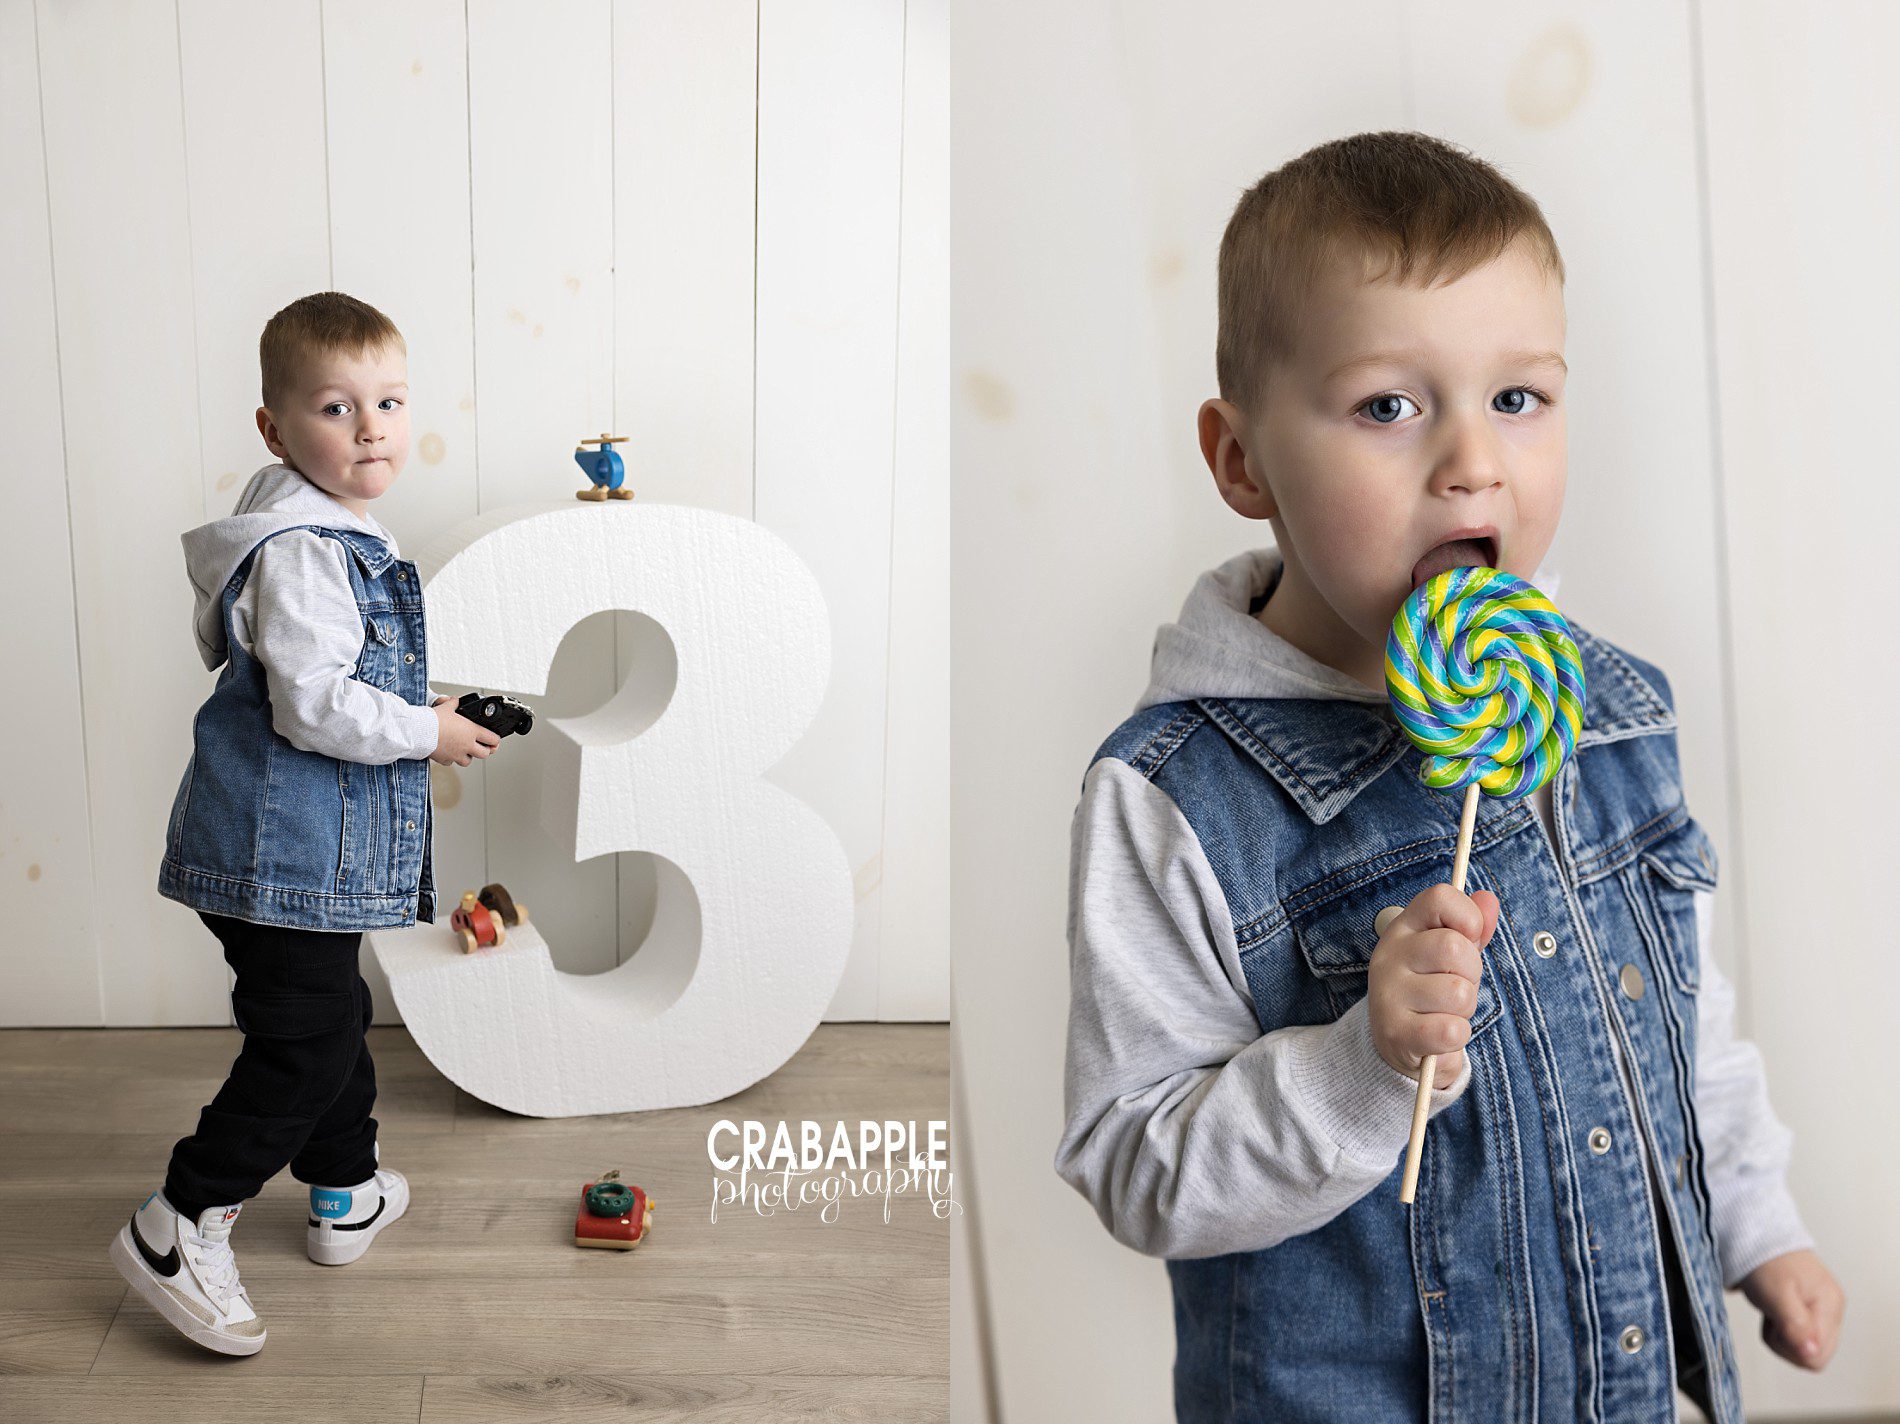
[[1485, 679]]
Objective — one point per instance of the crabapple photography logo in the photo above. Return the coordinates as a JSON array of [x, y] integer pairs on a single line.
[[803, 1166]]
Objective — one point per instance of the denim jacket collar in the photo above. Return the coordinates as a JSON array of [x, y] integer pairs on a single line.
[[372, 553], [1326, 751]]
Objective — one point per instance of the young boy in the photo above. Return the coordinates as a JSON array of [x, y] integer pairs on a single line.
[[1264, 940], [303, 817]]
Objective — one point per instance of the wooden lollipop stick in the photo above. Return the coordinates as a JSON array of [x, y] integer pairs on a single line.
[[1421, 1109]]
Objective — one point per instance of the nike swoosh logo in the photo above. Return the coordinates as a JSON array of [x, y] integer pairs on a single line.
[[166, 1265], [355, 1225]]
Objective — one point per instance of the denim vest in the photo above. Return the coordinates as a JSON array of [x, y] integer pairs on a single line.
[[1525, 1282], [263, 831]]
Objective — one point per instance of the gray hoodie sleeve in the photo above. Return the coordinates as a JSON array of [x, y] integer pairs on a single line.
[[1745, 1146], [298, 616], [1189, 1131]]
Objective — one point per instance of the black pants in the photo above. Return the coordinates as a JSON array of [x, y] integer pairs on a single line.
[[301, 1088]]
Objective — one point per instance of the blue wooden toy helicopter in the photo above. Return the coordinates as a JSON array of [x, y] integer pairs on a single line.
[[603, 466]]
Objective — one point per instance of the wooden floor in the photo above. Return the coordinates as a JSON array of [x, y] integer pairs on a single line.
[[476, 1306]]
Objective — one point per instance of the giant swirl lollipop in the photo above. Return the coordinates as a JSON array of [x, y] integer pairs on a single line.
[[1484, 677]]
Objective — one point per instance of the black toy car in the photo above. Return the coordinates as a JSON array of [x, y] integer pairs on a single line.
[[501, 715]]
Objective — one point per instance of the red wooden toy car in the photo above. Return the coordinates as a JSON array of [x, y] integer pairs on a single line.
[[478, 926], [481, 920], [613, 1214]]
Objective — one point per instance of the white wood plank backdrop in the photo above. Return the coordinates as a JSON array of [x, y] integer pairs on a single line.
[[1725, 185], [716, 227]]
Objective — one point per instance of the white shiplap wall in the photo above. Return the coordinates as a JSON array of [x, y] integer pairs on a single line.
[[716, 228], [1725, 185], [1802, 142]]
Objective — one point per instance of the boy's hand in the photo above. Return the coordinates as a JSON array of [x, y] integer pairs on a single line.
[[459, 740], [1801, 1306], [1422, 986]]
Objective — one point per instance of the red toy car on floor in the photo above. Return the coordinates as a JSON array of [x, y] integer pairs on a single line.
[[613, 1214]]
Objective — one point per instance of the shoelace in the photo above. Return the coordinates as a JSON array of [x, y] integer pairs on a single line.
[[218, 1264]]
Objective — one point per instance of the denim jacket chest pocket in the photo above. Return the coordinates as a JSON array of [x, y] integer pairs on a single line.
[[377, 663], [1337, 932], [1665, 878]]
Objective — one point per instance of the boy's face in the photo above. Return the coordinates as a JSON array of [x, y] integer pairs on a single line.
[[345, 426], [1363, 470]]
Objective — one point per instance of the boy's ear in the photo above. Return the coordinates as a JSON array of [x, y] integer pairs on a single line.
[[1224, 436], [267, 428]]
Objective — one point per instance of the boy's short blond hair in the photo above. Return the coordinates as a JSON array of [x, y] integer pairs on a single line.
[[1433, 210], [319, 324]]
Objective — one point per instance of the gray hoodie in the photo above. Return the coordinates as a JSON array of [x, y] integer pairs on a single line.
[[1193, 1134], [297, 615]]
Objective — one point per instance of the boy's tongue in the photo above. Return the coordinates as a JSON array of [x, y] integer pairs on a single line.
[[1451, 555]]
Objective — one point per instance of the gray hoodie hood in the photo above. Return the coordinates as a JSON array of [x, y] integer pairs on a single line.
[[277, 498], [1218, 648]]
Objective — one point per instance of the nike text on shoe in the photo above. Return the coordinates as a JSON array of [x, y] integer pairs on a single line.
[[186, 1272], [344, 1220]]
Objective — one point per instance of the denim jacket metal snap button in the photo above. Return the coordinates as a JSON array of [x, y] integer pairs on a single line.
[[1631, 1339], [1545, 943], [411, 657], [1631, 978], [1599, 1140]]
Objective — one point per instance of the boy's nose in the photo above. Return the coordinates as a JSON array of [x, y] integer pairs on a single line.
[[1468, 462]]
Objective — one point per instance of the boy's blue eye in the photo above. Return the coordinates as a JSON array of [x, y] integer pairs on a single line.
[[1382, 407], [389, 400], [1535, 395], [334, 405]]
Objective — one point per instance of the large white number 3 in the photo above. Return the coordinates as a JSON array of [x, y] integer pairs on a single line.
[[749, 628]]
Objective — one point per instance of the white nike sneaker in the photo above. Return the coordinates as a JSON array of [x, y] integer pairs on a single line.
[[344, 1220], [186, 1272]]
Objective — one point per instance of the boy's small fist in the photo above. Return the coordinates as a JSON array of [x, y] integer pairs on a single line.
[[1801, 1307], [458, 740], [1422, 986]]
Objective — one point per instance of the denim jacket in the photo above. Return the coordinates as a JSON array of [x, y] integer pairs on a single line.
[[262, 830], [1539, 1274]]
